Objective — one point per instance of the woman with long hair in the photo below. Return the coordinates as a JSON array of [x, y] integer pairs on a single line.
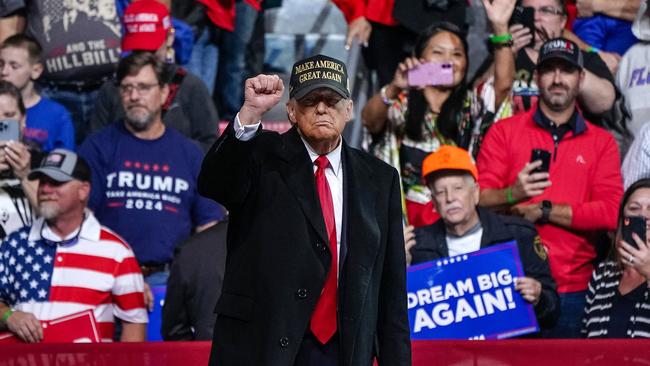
[[618, 305], [409, 122]]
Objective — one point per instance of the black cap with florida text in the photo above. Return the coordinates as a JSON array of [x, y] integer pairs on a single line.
[[318, 71], [561, 48]]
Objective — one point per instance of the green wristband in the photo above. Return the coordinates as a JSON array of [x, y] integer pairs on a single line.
[[6, 315], [593, 49], [500, 38], [509, 197]]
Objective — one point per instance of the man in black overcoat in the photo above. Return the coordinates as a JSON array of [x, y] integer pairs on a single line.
[[315, 272]]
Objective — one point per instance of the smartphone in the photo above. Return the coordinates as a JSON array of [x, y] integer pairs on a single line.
[[524, 15], [9, 130], [431, 74], [633, 224], [544, 156]]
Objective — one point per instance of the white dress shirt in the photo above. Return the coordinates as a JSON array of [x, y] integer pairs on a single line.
[[333, 173]]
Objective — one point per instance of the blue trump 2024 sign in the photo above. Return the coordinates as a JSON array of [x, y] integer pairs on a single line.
[[470, 296]]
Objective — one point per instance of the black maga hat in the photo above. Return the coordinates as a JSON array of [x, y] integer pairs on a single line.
[[561, 48], [318, 71]]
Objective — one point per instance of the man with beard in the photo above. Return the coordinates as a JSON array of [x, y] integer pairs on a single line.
[[144, 172], [596, 94], [573, 201], [66, 262], [188, 107]]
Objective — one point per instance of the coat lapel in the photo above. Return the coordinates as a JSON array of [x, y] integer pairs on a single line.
[[299, 176]]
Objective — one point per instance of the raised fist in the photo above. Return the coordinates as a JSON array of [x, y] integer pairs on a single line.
[[261, 93]]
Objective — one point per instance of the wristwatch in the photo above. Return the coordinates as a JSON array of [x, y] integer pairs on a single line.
[[546, 207]]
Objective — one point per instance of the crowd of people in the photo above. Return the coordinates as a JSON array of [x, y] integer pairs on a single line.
[[106, 188]]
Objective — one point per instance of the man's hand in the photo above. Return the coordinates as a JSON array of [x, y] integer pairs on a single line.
[[498, 13], [261, 93], [521, 37], [530, 184], [409, 242], [148, 297], [25, 326], [530, 212], [529, 288], [360, 29]]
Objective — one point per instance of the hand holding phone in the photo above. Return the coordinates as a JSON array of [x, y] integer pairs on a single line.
[[633, 224], [525, 16], [544, 156], [9, 130], [530, 180], [431, 74]]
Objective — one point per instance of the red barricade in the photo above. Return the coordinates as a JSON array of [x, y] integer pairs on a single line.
[[618, 352]]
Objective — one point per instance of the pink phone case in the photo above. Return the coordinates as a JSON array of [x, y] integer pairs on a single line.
[[431, 73]]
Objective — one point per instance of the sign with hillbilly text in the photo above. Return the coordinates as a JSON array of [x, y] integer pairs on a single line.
[[470, 296]]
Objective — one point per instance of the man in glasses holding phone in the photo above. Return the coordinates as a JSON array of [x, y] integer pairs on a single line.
[[577, 197], [547, 21]]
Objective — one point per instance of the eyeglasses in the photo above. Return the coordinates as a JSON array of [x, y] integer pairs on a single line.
[[141, 88], [549, 11], [311, 101]]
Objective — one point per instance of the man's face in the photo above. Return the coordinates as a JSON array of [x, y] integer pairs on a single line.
[[106, 9], [58, 198], [455, 197], [549, 21], [16, 68], [320, 115], [142, 98], [559, 84]]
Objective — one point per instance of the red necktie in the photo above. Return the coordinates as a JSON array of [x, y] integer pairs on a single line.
[[323, 320]]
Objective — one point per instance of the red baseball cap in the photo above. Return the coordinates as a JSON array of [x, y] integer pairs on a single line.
[[146, 23]]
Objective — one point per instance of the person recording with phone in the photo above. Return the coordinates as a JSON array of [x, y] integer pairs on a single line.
[[559, 171], [537, 21], [430, 103], [618, 305], [17, 192]]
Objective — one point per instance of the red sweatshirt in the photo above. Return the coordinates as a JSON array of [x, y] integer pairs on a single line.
[[585, 174], [378, 11], [221, 13]]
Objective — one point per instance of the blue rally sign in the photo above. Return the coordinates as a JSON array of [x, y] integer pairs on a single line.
[[470, 296]]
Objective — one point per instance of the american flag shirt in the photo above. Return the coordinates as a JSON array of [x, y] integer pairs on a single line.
[[93, 268]]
